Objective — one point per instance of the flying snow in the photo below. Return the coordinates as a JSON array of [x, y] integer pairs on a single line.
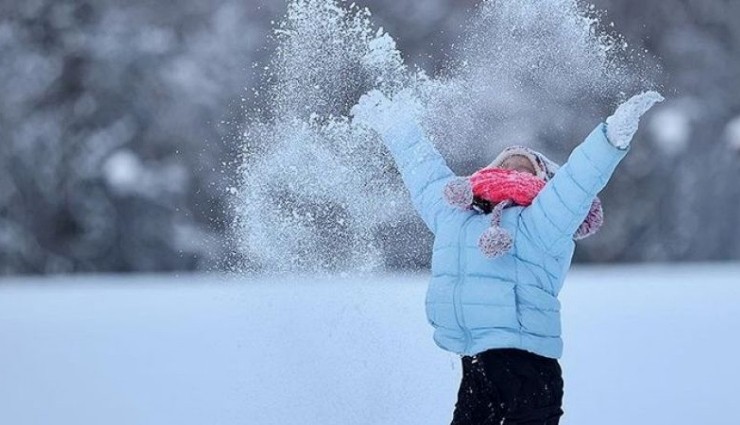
[[320, 194]]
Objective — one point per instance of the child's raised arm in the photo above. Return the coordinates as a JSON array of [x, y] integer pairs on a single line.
[[562, 205], [424, 171]]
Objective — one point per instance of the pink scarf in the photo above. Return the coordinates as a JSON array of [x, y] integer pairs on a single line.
[[498, 184]]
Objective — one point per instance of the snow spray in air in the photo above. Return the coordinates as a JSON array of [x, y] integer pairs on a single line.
[[539, 73], [315, 191], [318, 194]]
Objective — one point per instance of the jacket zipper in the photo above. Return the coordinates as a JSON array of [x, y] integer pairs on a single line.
[[456, 295]]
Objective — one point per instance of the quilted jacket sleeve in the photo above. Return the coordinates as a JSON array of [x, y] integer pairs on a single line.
[[422, 168], [562, 205]]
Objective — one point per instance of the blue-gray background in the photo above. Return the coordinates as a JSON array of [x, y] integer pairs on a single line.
[[120, 123]]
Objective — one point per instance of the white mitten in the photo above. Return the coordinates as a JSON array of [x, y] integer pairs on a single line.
[[378, 112], [622, 126]]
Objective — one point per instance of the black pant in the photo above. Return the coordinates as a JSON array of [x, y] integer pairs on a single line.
[[509, 386]]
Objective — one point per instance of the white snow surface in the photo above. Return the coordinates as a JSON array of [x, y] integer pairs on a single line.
[[643, 345]]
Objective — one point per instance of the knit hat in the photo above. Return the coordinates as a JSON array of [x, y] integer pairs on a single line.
[[492, 189]]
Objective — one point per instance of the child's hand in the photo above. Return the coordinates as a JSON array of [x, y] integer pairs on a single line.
[[622, 126], [378, 112]]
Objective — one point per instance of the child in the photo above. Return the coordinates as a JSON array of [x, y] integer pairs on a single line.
[[496, 277]]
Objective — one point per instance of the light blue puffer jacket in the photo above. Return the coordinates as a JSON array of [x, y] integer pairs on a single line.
[[477, 303]]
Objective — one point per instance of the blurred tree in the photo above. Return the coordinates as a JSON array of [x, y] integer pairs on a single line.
[[676, 199], [120, 122], [112, 156]]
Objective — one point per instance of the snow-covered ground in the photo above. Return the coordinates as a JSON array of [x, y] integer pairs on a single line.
[[644, 345]]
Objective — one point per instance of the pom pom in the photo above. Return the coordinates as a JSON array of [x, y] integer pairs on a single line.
[[494, 242], [593, 221], [459, 193]]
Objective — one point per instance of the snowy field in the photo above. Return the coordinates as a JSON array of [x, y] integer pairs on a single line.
[[644, 345]]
